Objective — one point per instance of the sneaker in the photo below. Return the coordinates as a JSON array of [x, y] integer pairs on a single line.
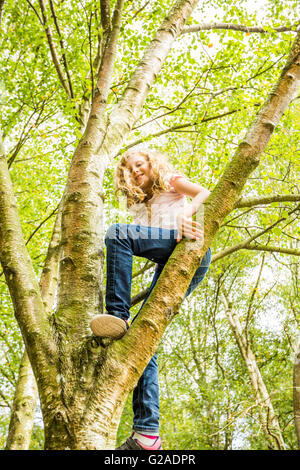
[[135, 444], [109, 326]]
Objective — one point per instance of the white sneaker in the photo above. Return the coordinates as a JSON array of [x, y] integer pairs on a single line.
[[108, 326]]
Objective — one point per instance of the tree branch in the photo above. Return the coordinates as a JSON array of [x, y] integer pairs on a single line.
[[86, 167], [272, 249], [40, 225], [140, 10], [250, 304], [1, 9], [21, 420], [255, 201], [261, 393], [130, 104]]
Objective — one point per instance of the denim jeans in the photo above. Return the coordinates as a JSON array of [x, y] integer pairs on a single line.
[[123, 241]]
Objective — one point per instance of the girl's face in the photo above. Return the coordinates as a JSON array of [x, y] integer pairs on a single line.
[[140, 171]]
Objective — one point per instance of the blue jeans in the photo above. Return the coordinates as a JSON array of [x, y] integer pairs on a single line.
[[123, 241]]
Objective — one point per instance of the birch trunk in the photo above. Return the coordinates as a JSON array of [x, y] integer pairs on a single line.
[[296, 389], [268, 417], [83, 384], [22, 413]]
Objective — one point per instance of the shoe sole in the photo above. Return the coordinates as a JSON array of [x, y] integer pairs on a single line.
[[108, 326], [135, 444]]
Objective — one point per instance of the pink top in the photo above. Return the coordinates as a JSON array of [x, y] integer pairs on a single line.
[[164, 207]]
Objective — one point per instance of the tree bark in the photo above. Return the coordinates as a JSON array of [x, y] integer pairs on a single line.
[[296, 390]]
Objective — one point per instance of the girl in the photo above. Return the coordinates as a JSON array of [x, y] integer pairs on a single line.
[[156, 196]]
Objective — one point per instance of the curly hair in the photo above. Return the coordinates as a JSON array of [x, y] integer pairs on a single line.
[[126, 184]]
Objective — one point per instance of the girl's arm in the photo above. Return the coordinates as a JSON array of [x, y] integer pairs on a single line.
[[186, 226]]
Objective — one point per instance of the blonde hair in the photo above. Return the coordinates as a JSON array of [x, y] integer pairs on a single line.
[[126, 185]]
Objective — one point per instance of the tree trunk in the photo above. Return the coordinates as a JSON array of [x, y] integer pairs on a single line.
[[266, 411], [22, 413], [296, 389]]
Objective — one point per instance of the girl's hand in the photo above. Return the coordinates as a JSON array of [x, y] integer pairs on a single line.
[[188, 228]]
